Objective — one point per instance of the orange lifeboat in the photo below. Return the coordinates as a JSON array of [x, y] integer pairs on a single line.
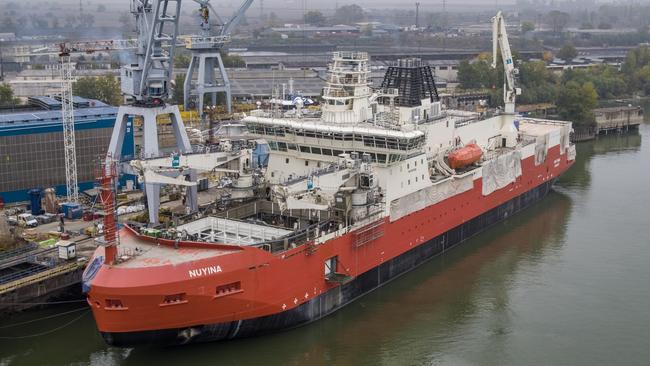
[[464, 156]]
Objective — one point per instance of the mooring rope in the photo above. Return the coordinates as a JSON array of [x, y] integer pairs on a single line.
[[48, 331], [43, 318], [43, 303]]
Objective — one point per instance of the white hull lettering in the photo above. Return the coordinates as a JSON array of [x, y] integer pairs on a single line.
[[205, 271]]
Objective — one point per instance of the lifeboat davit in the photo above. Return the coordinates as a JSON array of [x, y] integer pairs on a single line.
[[467, 155]]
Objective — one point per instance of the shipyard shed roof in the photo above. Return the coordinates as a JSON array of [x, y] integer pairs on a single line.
[[45, 102], [47, 121], [82, 113]]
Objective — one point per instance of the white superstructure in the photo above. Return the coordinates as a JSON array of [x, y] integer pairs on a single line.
[[399, 137]]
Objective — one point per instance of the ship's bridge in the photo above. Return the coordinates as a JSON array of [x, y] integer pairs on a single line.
[[327, 142]]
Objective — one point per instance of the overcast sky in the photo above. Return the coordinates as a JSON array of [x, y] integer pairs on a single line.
[[279, 5]]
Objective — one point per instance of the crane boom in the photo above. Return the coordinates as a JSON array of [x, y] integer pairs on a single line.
[[500, 42], [239, 14]]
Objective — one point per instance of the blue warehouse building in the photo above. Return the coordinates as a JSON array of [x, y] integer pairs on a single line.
[[31, 145]]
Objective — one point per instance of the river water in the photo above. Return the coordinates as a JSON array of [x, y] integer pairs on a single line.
[[566, 282]]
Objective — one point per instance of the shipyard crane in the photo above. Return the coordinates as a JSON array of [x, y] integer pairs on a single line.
[[500, 41], [206, 55], [69, 148], [147, 83], [67, 106]]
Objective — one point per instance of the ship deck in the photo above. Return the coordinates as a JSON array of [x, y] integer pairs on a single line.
[[226, 231], [539, 127], [137, 252]]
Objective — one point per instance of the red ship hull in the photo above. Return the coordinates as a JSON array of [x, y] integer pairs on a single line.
[[248, 291]]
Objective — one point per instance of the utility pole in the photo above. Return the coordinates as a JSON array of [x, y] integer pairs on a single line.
[[417, 15], [2, 70], [444, 24]]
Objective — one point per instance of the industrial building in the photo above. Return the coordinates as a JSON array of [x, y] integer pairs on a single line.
[[31, 145]]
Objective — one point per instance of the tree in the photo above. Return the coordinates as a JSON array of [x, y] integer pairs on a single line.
[[179, 87], [314, 17], [181, 61], [537, 83], [527, 27], [576, 102], [7, 98], [104, 88], [367, 30], [232, 60], [558, 20], [349, 14], [567, 52], [476, 75]]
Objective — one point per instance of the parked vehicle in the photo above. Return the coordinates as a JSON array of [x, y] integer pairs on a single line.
[[27, 220]]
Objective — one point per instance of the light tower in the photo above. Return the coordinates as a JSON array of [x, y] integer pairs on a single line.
[[206, 56]]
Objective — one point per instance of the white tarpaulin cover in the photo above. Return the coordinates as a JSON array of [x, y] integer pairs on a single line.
[[429, 196], [571, 153], [499, 172], [541, 149], [565, 138]]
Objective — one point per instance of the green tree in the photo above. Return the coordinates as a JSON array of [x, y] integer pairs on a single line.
[[349, 14], [232, 60], [537, 83], [607, 80], [527, 27], [477, 75], [7, 98], [314, 17], [567, 52], [179, 87], [181, 61], [576, 103], [104, 88]]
